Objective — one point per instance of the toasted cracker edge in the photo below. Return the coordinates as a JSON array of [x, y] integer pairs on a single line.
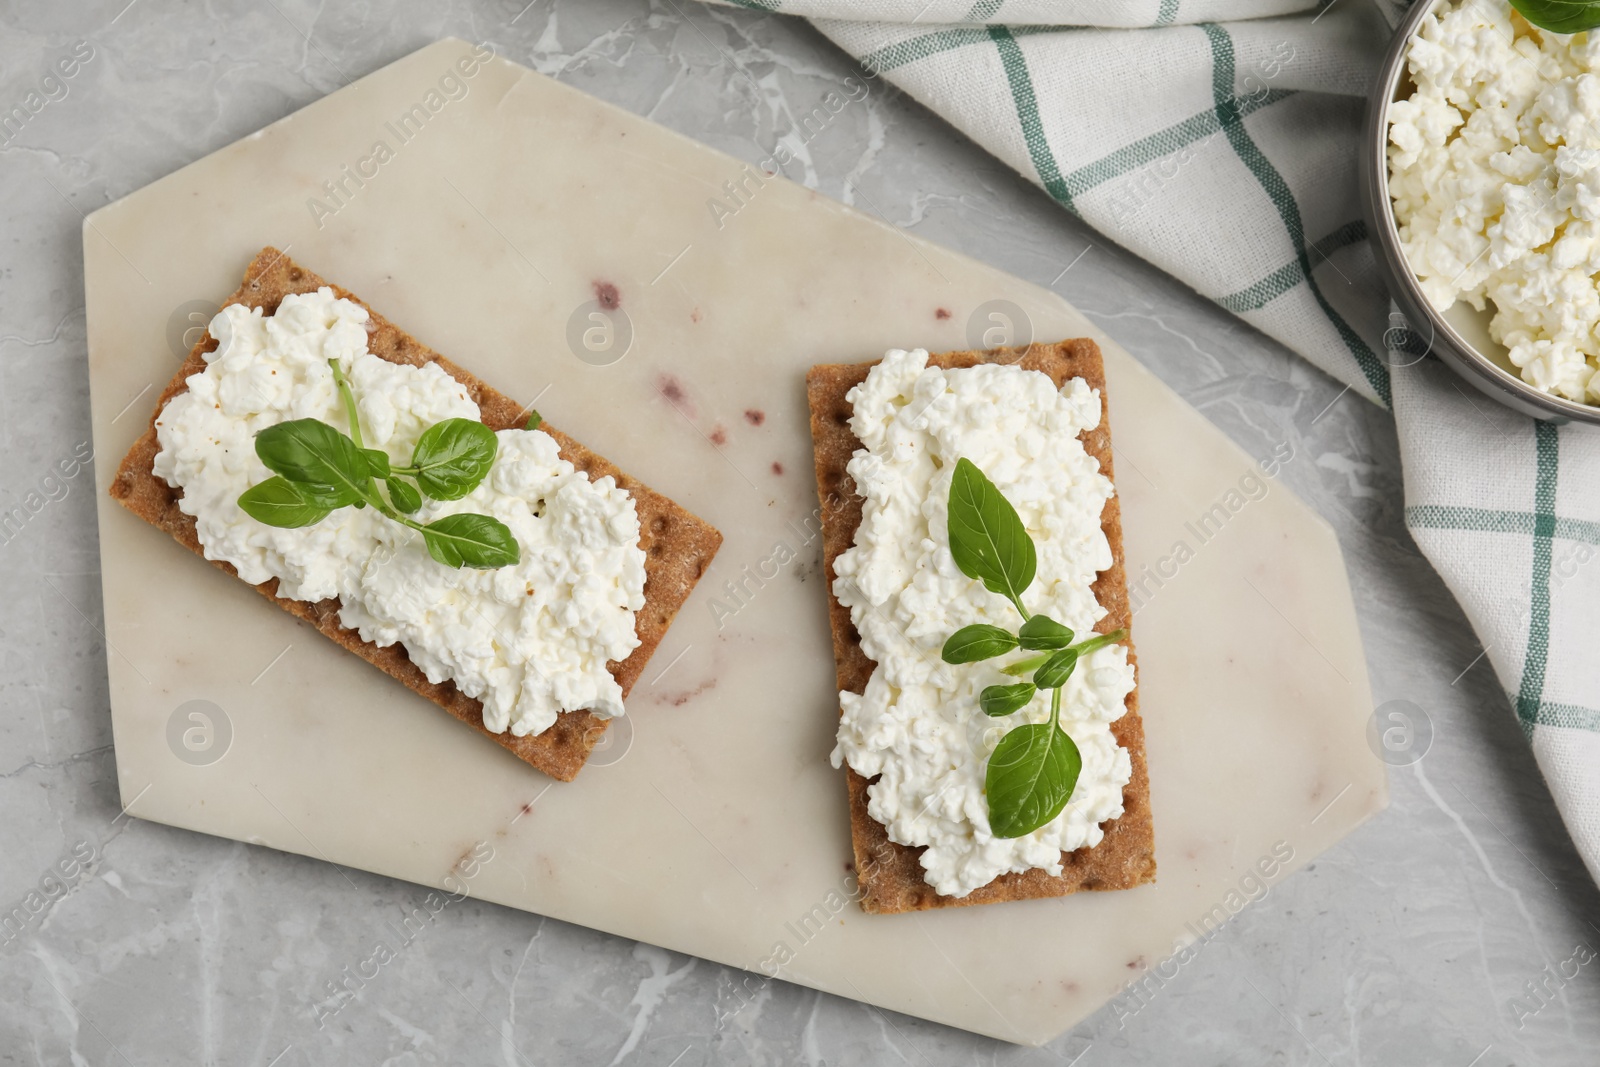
[[890, 874], [678, 545]]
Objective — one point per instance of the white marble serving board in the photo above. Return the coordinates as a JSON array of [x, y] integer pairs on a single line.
[[722, 826]]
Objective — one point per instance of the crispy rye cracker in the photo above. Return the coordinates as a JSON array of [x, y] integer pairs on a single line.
[[891, 878], [678, 546]]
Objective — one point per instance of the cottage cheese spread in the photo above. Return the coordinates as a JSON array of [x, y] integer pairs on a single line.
[[529, 640], [1495, 175], [918, 724]]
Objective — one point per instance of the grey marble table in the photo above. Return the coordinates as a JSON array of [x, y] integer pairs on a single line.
[[1434, 935]]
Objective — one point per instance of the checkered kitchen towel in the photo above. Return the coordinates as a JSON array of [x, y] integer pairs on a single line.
[[1217, 139]]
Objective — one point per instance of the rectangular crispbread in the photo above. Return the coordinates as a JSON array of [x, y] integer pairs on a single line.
[[891, 878], [678, 546]]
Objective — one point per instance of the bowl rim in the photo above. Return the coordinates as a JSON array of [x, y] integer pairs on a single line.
[[1459, 353]]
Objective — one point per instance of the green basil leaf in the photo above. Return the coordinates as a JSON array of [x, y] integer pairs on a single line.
[[377, 462], [453, 456], [315, 454], [1057, 669], [281, 503], [403, 495], [987, 537], [1560, 16], [471, 541], [1043, 634], [325, 496], [978, 641], [997, 700], [535, 420], [1031, 776]]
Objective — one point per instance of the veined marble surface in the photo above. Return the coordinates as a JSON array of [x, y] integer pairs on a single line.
[[1415, 940]]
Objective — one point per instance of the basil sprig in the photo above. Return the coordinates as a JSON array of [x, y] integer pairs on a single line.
[[319, 470], [1034, 769], [1560, 16]]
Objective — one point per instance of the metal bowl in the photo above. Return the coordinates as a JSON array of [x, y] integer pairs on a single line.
[[1459, 336]]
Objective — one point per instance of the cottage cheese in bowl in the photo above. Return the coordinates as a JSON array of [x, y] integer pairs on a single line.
[[1494, 175]]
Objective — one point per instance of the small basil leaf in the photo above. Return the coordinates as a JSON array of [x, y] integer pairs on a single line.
[[1031, 776], [377, 462], [314, 453], [997, 700], [987, 537], [281, 503], [453, 456], [1056, 670], [403, 495], [977, 642], [1560, 16], [535, 420], [471, 541], [1043, 634]]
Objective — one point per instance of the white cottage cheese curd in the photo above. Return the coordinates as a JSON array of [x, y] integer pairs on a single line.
[[529, 640], [1494, 170], [918, 724]]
